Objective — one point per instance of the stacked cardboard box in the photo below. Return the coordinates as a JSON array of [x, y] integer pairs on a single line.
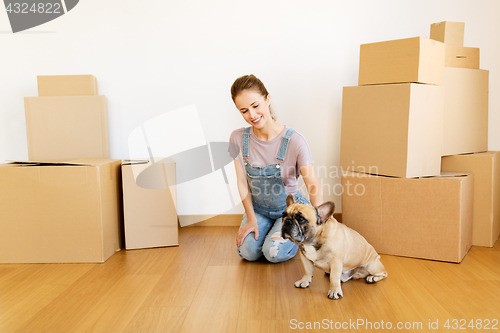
[[64, 205], [68, 120], [418, 99]]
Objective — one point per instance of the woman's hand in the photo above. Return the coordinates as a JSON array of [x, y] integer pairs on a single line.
[[251, 226]]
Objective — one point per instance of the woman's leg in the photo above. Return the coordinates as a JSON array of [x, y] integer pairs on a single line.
[[277, 249], [251, 249]]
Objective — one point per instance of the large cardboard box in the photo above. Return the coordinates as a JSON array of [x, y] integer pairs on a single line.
[[66, 128], [428, 218], [67, 85], [415, 59], [486, 169], [393, 129], [465, 110], [60, 212], [451, 33], [149, 202], [462, 57]]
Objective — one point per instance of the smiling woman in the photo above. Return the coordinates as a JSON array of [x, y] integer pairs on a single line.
[[270, 159]]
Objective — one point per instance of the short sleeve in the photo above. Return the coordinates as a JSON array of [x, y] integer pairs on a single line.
[[304, 156], [235, 141]]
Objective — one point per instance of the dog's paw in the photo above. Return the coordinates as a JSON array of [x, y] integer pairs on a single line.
[[302, 283], [372, 279], [335, 294]]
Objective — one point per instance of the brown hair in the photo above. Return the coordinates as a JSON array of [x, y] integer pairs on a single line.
[[250, 82]]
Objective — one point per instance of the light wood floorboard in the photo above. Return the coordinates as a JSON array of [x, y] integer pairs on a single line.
[[204, 286]]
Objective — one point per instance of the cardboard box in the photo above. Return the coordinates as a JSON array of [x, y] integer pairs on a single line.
[[451, 33], [393, 129], [486, 169], [428, 218], [418, 59], [462, 57], [66, 128], [60, 212], [465, 110], [150, 213], [67, 85]]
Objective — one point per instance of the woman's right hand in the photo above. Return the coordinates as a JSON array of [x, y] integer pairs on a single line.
[[250, 226]]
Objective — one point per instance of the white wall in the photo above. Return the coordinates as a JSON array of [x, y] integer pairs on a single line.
[[151, 57]]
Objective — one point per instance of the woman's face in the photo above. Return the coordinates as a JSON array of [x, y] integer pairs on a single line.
[[254, 108]]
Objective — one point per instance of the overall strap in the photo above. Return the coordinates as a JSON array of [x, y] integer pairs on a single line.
[[246, 142], [284, 145]]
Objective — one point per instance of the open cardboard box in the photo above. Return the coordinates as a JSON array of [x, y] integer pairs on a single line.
[[60, 212], [149, 205]]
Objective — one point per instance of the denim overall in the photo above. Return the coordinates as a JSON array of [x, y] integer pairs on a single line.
[[269, 201]]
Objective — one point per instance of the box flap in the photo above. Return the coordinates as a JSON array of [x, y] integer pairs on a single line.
[[88, 161], [146, 161], [134, 162], [446, 174], [47, 163]]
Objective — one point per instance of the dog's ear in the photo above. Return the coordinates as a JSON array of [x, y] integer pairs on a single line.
[[325, 211], [289, 200]]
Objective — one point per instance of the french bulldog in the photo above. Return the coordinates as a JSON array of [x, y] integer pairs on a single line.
[[329, 245]]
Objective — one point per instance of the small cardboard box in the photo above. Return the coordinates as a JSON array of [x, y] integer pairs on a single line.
[[462, 57], [67, 85], [392, 129], [66, 128], [60, 212], [465, 110], [451, 33], [486, 169], [417, 60], [428, 218], [149, 203]]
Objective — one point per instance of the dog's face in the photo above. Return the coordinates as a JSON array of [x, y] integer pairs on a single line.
[[301, 222]]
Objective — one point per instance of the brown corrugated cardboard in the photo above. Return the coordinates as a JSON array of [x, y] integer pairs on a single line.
[[67, 85], [150, 214], [60, 212], [465, 110], [486, 169], [66, 128], [451, 33], [392, 129], [462, 57], [429, 218], [404, 60]]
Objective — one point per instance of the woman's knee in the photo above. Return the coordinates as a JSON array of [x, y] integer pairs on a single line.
[[249, 249], [279, 249]]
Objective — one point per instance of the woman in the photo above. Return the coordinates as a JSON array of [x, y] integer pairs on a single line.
[[270, 159]]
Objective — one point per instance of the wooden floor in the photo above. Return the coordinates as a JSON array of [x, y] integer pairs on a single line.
[[204, 286]]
